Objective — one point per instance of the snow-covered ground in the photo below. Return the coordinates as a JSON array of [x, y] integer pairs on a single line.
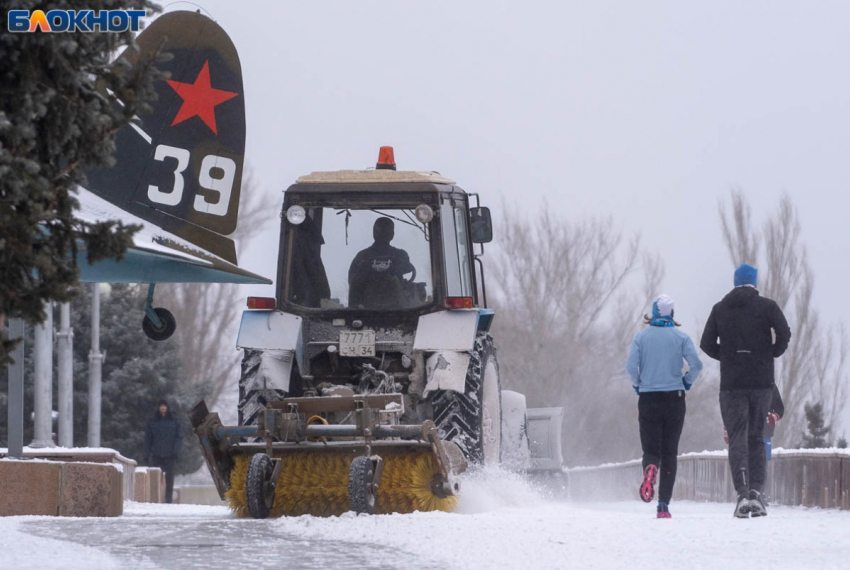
[[501, 523]]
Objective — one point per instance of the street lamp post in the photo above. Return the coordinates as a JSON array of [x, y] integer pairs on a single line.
[[95, 369], [43, 382]]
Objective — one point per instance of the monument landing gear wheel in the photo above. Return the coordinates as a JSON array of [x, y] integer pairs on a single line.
[[166, 328]]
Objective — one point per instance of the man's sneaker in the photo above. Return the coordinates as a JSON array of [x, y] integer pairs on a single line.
[[757, 506], [742, 509], [647, 488], [663, 511]]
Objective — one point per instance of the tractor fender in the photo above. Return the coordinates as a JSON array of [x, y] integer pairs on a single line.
[[447, 330], [264, 330]]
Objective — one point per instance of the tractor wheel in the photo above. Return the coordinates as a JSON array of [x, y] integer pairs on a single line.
[[361, 493], [163, 332], [252, 396], [259, 487], [473, 420]]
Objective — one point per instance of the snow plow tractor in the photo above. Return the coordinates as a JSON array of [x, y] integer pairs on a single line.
[[370, 383]]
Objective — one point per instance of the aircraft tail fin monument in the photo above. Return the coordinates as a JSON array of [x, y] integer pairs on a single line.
[[181, 169]]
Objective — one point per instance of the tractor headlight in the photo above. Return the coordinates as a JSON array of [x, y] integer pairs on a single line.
[[424, 213], [296, 215]]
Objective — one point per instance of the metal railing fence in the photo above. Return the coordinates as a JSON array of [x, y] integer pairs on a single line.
[[811, 478]]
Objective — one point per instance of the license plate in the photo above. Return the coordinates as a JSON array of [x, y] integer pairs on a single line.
[[357, 343]]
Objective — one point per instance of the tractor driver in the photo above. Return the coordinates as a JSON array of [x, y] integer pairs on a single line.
[[376, 274]]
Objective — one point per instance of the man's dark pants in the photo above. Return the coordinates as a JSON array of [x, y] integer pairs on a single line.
[[167, 465], [744, 413], [661, 416]]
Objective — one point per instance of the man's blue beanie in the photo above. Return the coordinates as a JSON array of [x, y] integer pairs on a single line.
[[746, 275]]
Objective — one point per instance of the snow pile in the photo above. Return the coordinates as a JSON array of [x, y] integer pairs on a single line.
[[492, 488]]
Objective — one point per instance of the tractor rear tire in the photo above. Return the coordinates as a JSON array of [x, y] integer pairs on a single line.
[[259, 487], [253, 400], [473, 420], [360, 493]]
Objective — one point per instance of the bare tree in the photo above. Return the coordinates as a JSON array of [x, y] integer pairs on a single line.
[[742, 243], [830, 366], [568, 306], [207, 313], [813, 368]]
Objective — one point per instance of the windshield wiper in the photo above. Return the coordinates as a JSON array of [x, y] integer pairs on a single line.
[[423, 228]]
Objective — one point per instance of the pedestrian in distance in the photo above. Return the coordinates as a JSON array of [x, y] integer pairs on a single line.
[[774, 414], [655, 364], [163, 439], [746, 332]]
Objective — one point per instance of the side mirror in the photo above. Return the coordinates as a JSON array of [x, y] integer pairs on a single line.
[[482, 228]]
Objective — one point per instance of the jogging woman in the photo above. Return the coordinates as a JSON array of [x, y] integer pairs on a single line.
[[655, 367]]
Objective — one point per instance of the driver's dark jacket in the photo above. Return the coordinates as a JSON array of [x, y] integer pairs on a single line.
[[376, 261], [380, 258]]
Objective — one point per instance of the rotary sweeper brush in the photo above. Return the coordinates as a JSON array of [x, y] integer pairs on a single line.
[[370, 381], [305, 466]]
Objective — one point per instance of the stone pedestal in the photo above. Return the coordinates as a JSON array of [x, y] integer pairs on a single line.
[[29, 488], [64, 489], [157, 485], [143, 486], [90, 490]]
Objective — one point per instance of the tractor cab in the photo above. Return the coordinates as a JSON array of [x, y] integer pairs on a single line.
[[363, 256], [377, 242]]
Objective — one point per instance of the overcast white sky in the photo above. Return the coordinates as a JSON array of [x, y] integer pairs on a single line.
[[646, 111]]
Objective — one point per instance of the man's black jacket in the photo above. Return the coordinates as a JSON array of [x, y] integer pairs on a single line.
[[742, 323]]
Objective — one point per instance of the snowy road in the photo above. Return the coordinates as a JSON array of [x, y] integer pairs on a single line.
[[502, 524]]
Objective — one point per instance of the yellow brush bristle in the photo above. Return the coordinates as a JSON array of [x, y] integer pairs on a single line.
[[316, 483], [236, 494], [310, 484], [406, 485]]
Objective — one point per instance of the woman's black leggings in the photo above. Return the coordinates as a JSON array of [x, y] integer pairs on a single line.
[[661, 416]]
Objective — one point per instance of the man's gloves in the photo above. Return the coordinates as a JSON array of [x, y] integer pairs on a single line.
[[686, 384], [637, 390], [772, 418]]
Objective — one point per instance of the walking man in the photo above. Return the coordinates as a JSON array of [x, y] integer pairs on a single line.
[[162, 443], [655, 363], [746, 332]]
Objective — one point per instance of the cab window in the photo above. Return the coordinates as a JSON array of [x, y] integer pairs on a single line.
[[368, 259]]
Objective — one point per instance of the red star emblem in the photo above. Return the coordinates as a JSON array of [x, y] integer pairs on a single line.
[[200, 98]]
